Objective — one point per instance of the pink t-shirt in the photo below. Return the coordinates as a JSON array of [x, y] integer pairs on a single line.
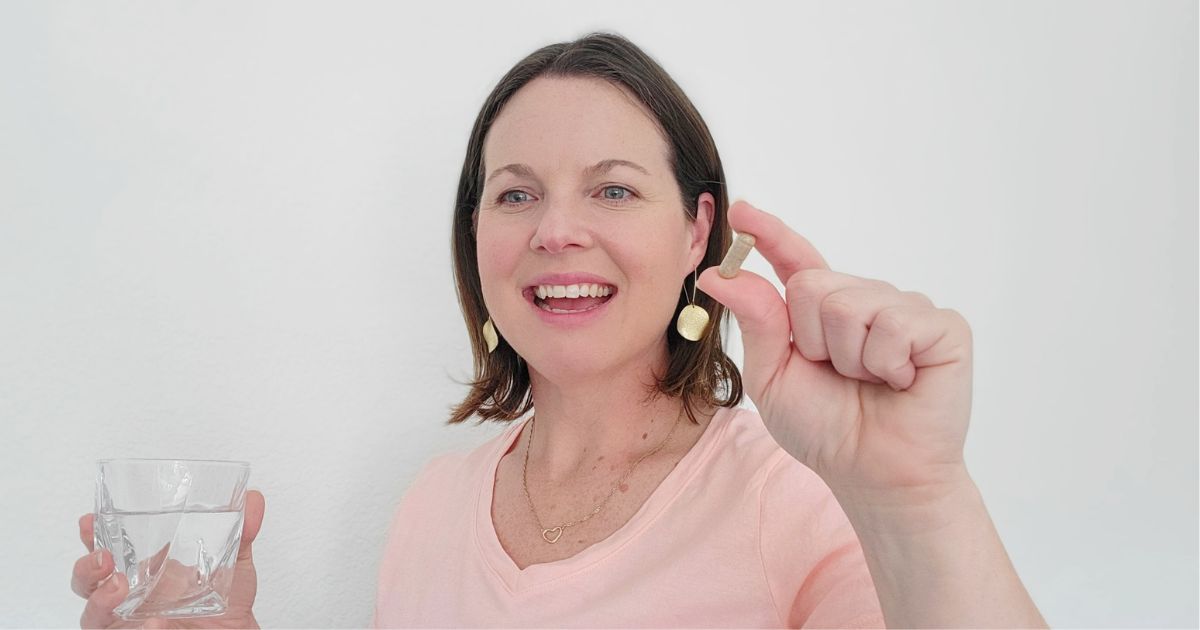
[[739, 534]]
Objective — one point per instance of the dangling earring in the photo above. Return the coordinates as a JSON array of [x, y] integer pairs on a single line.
[[490, 336], [692, 319]]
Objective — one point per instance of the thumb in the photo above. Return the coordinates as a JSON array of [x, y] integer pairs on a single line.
[[255, 507], [762, 316]]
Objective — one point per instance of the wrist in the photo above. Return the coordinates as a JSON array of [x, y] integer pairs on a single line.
[[914, 509], [936, 558]]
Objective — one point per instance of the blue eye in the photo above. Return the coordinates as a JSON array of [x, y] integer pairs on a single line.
[[504, 197], [622, 199]]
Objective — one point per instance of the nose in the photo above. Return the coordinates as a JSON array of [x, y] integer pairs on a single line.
[[560, 226]]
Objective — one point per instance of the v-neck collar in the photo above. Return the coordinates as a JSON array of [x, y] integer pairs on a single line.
[[517, 580]]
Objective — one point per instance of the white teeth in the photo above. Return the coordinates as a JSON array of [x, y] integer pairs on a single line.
[[544, 291], [543, 306]]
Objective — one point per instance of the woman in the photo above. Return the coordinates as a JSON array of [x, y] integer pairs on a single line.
[[591, 212]]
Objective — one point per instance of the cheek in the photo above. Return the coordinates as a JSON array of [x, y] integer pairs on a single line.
[[491, 257], [497, 253], [654, 272]]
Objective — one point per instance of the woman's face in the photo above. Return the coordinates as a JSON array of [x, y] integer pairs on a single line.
[[558, 214]]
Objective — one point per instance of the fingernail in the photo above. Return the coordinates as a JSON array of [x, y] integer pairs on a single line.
[[112, 586], [99, 556]]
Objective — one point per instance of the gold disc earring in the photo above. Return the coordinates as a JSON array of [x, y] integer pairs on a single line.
[[492, 339], [693, 320]]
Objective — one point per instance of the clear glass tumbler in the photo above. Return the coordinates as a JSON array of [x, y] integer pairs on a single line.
[[173, 527]]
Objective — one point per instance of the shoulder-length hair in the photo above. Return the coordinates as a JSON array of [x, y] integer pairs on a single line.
[[699, 372]]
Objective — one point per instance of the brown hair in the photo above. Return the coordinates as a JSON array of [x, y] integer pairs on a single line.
[[697, 371]]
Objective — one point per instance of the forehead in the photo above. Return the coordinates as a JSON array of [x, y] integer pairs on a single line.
[[574, 122]]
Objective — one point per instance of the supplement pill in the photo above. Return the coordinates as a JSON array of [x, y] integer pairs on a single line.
[[736, 255]]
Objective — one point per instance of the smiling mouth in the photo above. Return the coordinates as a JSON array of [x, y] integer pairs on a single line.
[[570, 298]]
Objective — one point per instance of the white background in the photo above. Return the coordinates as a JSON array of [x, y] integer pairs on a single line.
[[224, 233]]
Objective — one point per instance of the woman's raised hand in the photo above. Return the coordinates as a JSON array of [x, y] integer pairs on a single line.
[[867, 385], [104, 589]]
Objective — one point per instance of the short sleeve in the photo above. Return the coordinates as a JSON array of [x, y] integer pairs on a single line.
[[812, 558], [396, 529]]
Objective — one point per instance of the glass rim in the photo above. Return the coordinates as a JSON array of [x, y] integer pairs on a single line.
[[214, 462]]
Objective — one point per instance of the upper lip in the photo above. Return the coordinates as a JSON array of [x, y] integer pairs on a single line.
[[566, 279]]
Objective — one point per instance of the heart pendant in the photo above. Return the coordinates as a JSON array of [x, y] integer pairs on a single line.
[[557, 532]]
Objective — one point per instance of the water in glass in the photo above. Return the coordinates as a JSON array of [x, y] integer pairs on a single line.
[[178, 563]]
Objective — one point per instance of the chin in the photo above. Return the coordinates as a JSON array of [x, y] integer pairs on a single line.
[[567, 366]]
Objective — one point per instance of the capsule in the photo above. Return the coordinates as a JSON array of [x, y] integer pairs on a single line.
[[736, 255]]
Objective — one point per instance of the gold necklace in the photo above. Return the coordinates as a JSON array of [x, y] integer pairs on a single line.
[[552, 534]]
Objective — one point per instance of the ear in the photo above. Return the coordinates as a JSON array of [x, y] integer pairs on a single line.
[[701, 227]]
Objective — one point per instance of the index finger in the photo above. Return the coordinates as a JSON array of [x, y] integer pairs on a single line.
[[787, 251], [87, 533]]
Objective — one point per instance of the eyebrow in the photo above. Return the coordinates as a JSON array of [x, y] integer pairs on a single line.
[[603, 166]]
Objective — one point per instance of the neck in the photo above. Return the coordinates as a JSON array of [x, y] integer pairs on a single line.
[[600, 424]]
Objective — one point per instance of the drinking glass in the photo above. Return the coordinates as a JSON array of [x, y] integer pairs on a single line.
[[173, 527]]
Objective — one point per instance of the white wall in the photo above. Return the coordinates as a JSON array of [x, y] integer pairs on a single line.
[[224, 233]]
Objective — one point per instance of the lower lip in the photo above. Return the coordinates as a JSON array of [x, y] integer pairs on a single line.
[[577, 318]]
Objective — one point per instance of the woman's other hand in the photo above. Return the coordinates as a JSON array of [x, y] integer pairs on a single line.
[[867, 385], [870, 387], [104, 589]]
